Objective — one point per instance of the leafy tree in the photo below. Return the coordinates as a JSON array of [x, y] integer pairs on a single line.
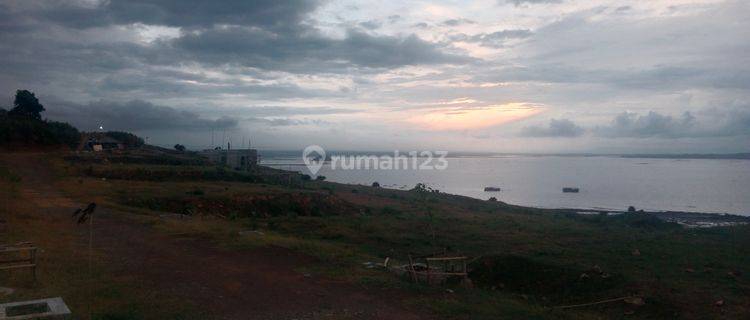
[[27, 105], [22, 126], [64, 133], [179, 147]]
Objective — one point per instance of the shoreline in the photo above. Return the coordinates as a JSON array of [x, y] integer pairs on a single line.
[[687, 219]]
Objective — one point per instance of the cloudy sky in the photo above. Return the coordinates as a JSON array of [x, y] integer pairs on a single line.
[[495, 75]]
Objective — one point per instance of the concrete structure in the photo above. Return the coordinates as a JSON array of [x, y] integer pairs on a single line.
[[238, 159], [47, 309], [98, 141]]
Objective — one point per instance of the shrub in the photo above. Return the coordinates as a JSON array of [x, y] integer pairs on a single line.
[[16, 130], [64, 133]]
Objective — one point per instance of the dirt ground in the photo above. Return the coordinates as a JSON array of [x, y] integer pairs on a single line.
[[259, 283]]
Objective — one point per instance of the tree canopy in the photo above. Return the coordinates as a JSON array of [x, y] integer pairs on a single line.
[[27, 105], [23, 126]]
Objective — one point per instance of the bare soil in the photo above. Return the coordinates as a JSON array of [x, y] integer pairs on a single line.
[[258, 283]]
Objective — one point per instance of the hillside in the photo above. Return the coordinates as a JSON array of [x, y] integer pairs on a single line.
[[321, 242]]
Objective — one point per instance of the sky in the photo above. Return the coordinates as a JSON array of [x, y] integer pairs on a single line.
[[538, 76]]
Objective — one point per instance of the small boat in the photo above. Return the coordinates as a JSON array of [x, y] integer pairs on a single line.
[[491, 189], [570, 190]]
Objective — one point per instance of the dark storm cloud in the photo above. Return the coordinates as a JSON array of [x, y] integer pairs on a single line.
[[178, 13], [652, 124], [735, 122], [659, 77], [313, 53], [285, 122], [562, 128], [267, 35], [134, 115], [155, 83], [274, 111]]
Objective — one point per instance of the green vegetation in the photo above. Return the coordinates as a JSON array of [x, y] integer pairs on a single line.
[[525, 261], [23, 126]]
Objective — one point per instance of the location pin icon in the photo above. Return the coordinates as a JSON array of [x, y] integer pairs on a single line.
[[314, 156]]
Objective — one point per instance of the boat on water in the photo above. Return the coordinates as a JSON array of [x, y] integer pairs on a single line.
[[570, 190], [491, 189]]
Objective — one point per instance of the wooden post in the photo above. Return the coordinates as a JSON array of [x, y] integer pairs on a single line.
[[427, 262], [411, 269], [33, 262]]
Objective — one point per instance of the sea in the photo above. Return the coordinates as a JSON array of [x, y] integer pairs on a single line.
[[611, 183]]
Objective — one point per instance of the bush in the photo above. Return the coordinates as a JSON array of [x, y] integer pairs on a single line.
[[24, 131], [23, 125], [64, 133], [523, 275]]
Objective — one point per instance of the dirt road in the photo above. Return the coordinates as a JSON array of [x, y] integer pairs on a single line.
[[242, 284]]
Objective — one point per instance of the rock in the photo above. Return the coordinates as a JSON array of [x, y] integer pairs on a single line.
[[583, 276], [689, 270], [448, 290], [719, 303], [636, 252]]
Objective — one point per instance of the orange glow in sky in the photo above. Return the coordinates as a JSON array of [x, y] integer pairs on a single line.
[[461, 118]]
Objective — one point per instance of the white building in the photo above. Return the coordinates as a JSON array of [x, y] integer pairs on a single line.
[[238, 159]]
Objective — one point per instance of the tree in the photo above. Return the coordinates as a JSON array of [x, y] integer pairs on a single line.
[[179, 147], [64, 133], [27, 105], [129, 139]]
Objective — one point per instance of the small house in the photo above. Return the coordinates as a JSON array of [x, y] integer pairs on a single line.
[[100, 142]]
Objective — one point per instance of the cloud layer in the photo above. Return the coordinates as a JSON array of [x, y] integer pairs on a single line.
[[359, 73]]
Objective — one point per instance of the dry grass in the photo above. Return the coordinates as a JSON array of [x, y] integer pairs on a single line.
[[64, 265]]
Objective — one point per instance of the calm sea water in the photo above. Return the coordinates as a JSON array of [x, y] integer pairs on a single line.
[[610, 183]]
